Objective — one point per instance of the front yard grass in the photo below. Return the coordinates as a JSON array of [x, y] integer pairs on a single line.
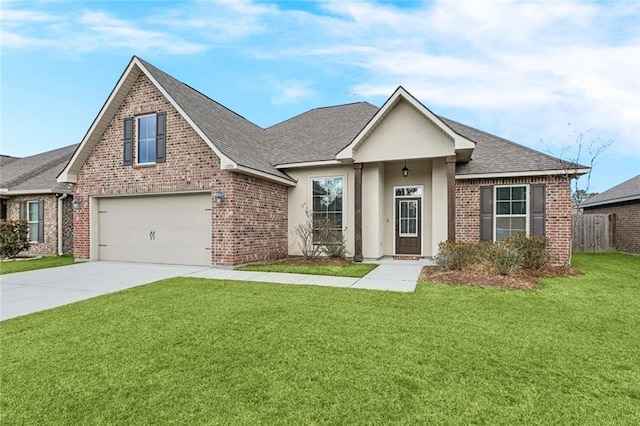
[[11, 266], [321, 266], [194, 351]]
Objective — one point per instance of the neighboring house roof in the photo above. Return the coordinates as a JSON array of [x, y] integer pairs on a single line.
[[36, 173], [322, 135], [626, 191]]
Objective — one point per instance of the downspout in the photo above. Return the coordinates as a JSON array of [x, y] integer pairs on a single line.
[[60, 232]]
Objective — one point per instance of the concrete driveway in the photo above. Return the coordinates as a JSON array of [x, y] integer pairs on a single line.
[[27, 292]]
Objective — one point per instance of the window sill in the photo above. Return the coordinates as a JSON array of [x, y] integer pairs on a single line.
[[144, 165]]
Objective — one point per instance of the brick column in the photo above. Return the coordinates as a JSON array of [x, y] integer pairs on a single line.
[[357, 255], [451, 198]]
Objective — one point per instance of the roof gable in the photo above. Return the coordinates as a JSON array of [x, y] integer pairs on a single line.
[[462, 144], [230, 136]]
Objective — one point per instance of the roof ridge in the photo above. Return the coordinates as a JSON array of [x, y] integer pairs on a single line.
[[147, 64], [318, 109]]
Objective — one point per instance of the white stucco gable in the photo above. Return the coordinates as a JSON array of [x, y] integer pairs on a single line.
[[403, 128]]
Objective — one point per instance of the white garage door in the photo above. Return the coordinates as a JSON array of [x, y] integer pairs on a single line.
[[172, 229]]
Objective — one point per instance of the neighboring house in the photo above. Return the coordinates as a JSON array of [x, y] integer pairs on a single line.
[[29, 190], [165, 174], [624, 201]]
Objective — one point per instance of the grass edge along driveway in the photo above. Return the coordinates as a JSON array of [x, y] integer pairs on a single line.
[[13, 266], [204, 351]]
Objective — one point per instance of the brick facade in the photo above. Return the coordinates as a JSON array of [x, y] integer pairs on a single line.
[[50, 244], [557, 211], [626, 235], [251, 222]]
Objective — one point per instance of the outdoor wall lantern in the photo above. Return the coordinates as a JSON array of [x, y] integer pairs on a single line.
[[405, 170], [217, 198], [76, 203]]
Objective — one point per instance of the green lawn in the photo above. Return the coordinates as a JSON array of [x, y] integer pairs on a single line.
[[347, 269], [193, 351], [11, 266]]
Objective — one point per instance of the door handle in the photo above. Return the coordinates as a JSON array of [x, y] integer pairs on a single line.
[[152, 235]]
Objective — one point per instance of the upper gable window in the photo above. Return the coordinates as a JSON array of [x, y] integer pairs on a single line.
[[150, 138], [147, 139]]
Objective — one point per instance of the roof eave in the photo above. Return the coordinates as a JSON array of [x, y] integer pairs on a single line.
[[522, 173], [263, 175], [35, 192], [587, 205]]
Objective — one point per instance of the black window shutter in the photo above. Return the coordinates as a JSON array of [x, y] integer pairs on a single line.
[[41, 221], [486, 213], [537, 211], [161, 137], [128, 142], [22, 215]]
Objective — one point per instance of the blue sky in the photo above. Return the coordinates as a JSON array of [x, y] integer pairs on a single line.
[[537, 73]]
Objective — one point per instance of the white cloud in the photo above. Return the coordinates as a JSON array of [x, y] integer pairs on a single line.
[[290, 91], [528, 68], [87, 31]]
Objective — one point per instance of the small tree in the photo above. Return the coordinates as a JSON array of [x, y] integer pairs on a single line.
[[572, 155], [14, 237], [319, 237], [581, 195], [305, 233]]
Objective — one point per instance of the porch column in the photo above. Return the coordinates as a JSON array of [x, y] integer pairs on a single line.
[[357, 171], [451, 198]]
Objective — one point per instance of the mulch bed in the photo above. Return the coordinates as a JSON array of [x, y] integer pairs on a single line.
[[481, 276]]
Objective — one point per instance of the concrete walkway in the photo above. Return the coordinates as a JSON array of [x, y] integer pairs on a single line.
[[391, 275], [33, 291]]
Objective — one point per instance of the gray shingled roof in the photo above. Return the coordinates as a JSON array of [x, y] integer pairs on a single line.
[[318, 134], [626, 191], [237, 138], [37, 172], [6, 159], [494, 154]]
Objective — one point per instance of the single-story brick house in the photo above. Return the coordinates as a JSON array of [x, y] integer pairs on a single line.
[[623, 200], [29, 191], [166, 174]]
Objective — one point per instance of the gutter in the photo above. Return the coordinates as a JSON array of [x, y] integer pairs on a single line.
[[60, 217]]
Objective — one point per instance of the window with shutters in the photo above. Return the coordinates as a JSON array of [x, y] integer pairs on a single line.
[[33, 217], [147, 139], [511, 212], [150, 138]]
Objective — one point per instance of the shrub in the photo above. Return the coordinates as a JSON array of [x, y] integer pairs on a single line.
[[455, 256], [14, 237], [320, 237], [305, 233], [505, 257], [533, 250]]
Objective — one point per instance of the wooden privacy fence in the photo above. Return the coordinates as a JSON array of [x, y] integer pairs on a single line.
[[593, 232]]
